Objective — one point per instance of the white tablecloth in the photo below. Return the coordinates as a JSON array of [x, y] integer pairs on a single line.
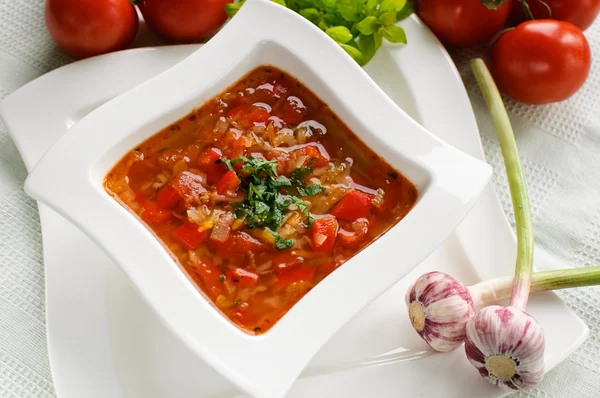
[[560, 148]]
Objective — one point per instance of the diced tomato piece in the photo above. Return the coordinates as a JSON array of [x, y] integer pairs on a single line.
[[313, 151], [242, 277], [140, 173], [236, 113], [293, 110], [324, 231], [188, 184], [167, 197], [353, 205], [189, 236], [285, 261], [248, 114], [293, 275], [257, 114], [214, 172], [153, 214], [210, 276], [228, 184], [209, 157], [239, 244], [352, 239]]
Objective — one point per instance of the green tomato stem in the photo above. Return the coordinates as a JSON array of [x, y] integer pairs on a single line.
[[516, 183]]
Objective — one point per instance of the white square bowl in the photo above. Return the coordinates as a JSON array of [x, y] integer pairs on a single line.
[[69, 179]]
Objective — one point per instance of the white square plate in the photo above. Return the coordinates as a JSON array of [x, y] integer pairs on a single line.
[[69, 179]]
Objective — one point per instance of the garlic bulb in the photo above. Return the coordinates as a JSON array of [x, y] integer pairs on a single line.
[[438, 307], [506, 345]]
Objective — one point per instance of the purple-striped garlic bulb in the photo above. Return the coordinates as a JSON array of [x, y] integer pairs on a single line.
[[506, 345], [439, 307]]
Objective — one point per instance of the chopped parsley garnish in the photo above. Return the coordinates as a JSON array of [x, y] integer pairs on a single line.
[[222, 278], [270, 194]]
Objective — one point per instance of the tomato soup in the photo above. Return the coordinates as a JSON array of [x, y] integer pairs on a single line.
[[259, 194]]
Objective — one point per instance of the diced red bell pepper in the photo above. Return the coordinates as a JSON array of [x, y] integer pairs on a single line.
[[324, 231], [209, 157], [285, 261], [353, 205], [153, 214], [188, 234], [210, 276], [167, 197], [228, 184], [242, 277], [293, 275]]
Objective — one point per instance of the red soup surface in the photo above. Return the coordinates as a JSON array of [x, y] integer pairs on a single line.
[[260, 194]]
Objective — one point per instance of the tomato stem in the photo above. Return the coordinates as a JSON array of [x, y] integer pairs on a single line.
[[516, 183], [493, 4]]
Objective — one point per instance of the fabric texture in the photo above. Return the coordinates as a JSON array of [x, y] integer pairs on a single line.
[[559, 145]]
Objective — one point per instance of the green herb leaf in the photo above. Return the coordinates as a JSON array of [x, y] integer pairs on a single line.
[[341, 34], [303, 207], [312, 14], [387, 18], [367, 46], [392, 5], [378, 38], [394, 34], [371, 5], [222, 278], [311, 190], [349, 9], [406, 11], [354, 53], [367, 26]]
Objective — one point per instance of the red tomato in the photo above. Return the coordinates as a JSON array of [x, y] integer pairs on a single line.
[[462, 23], [84, 28], [242, 278], [189, 236], [153, 214], [188, 184], [167, 197], [184, 20], [580, 13], [228, 184], [353, 205], [541, 61], [316, 155], [324, 232], [293, 275]]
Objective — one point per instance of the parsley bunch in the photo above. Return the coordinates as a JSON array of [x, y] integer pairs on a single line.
[[270, 194], [358, 26]]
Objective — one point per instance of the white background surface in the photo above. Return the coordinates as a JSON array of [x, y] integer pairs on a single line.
[[560, 147]]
